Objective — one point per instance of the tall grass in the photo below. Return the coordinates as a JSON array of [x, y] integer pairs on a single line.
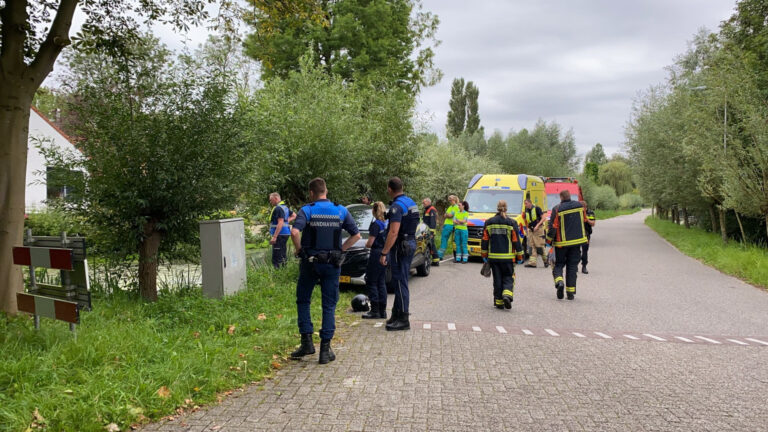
[[132, 361], [745, 261]]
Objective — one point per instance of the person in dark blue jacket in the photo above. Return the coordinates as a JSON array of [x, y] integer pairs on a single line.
[[398, 250], [316, 234], [279, 229], [376, 274]]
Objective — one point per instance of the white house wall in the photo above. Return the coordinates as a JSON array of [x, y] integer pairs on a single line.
[[36, 190]]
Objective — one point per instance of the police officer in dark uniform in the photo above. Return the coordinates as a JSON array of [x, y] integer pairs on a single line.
[[399, 248], [430, 220], [279, 229], [319, 224], [588, 228], [375, 273], [566, 233]]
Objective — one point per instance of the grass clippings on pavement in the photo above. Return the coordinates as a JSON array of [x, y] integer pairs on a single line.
[[133, 361], [747, 262]]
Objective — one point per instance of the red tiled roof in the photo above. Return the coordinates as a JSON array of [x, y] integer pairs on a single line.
[[53, 125]]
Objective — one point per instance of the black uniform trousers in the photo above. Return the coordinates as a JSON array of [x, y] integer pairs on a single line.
[[279, 250], [567, 257], [503, 277], [585, 252]]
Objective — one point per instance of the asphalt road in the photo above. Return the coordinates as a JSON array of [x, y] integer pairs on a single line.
[[654, 341], [637, 282]]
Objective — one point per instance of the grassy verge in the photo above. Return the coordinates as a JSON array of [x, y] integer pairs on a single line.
[[747, 262], [607, 214], [134, 361]]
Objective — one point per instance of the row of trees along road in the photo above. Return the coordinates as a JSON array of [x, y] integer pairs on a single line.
[[699, 141], [169, 139]]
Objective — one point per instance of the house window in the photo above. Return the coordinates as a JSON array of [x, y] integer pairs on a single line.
[[59, 184]]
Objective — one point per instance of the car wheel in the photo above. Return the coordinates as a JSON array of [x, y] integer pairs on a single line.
[[423, 269]]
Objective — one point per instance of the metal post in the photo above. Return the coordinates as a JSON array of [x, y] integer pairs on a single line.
[[37, 322]]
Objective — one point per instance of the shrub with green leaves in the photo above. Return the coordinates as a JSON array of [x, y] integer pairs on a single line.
[[605, 198], [630, 201]]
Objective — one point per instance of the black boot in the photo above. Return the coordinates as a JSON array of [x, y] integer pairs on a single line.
[[307, 347], [400, 323], [383, 310], [584, 269], [326, 353], [393, 317], [373, 313], [559, 286]]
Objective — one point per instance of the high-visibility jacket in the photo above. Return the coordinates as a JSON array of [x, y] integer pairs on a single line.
[[532, 216], [500, 240], [450, 212], [461, 216], [566, 224]]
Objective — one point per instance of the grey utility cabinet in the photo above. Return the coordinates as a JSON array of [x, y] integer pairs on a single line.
[[222, 251]]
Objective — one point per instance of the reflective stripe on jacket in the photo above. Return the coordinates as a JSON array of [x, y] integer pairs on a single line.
[[566, 224], [500, 240]]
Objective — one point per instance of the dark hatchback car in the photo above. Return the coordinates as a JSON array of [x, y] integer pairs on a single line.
[[356, 261]]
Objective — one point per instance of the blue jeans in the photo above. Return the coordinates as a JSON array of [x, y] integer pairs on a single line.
[[376, 278], [328, 277], [445, 236], [401, 269], [460, 237]]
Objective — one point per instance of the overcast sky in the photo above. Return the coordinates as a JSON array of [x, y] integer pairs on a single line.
[[578, 62]]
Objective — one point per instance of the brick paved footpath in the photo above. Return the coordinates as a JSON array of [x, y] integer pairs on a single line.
[[426, 380], [709, 374]]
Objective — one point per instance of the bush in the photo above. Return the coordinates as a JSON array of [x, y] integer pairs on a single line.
[[630, 201], [605, 198], [52, 221]]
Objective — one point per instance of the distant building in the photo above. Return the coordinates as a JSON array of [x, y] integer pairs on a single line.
[[39, 185]]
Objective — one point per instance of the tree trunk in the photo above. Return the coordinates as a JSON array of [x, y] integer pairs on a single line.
[[14, 132], [685, 218], [712, 217], [723, 230], [741, 227], [148, 260]]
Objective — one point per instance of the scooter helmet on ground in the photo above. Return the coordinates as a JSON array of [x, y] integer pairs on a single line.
[[360, 303]]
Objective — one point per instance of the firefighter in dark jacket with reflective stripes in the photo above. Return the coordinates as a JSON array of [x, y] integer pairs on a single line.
[[501, 248], [566, 233], [588, 228], [430, 220]]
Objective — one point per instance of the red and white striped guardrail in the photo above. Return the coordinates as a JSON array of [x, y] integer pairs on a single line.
[[52, 258], [48, 307]]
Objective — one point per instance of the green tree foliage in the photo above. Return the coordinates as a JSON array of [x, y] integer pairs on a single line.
[[457, 114], [630, 201], [471, 93], [442, 169], [545, 151], [699, 142], [604, 198], [33, 36], [313, 124], [391, 40], [596, 155], [617, 175], [161, 145], [592, 170]]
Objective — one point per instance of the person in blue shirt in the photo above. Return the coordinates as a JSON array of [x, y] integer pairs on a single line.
[[398, 250], [279, 218], [376, 274], [316, 234]]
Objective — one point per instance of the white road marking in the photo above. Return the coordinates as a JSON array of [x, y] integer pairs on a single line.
[[427, 326], [378, 324], [757, 341], [603, 335], [708, 340], [501, 329], [528, 332], [737, 342], [552, 332], [631, 337], [655, 337], [451, 326], [476, 328], [684, 339], [578, 335]]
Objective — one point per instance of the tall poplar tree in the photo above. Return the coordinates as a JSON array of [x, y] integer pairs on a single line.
[[457, 114], [471, 93]]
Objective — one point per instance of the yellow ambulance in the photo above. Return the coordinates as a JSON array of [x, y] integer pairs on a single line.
[[485, 191]]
